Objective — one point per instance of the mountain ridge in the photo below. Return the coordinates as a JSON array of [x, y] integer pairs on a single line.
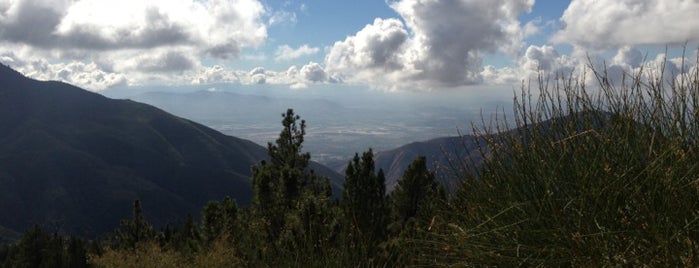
[[74, 160]]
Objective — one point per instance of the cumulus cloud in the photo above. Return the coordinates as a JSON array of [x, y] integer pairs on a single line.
[[258, 75], [294, 77], [313, 72], [628, 55], [628, 62], [605, 24], [286, 53], [88, 75], [545, 58], [174, 36], [215, 74], [441, 44], [536, 60]]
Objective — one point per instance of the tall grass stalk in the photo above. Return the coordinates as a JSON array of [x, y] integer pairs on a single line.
[[587, 176]]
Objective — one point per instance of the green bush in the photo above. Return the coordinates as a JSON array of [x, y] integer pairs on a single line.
[[589, 176]]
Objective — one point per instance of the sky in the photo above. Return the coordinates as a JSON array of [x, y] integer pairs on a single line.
[[389, 46]]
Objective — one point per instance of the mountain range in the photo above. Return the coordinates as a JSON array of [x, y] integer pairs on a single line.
[[443, 154], [74, 161]]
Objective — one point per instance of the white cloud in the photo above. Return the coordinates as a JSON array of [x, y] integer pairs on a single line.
[[294, 77], [537, 60], [501, 76], [214, 74], [282, 17], [605, 24], [549, 63], [258, 79], [88, 75], [133, 36], [545, 58], [441, 44], [286, 53], [628, 56], [313, 72]]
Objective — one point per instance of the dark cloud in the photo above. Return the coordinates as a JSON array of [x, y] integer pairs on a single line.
[[168, 62], [31, 22], [229, 50]]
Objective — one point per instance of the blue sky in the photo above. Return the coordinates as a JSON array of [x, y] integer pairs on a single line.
[[397, 45]]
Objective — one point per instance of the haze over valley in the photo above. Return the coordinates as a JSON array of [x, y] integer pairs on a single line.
[[339, 125]]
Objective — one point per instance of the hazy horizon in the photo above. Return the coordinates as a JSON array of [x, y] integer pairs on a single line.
[[339, 124]]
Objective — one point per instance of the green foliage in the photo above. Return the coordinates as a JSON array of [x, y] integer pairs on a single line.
[[417, 196], [135, 230], [365, 207], [291, 206], [610, 179], [38, 248], [219, 219], [278, 184], [415, 203]]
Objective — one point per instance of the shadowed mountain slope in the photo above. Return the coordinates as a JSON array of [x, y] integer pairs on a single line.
[[444, 155], [74, 160]]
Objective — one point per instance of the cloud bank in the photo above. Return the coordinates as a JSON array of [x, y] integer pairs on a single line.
[[441, 43], [597, 28], [134, 38], [609, 24], [428, 45]]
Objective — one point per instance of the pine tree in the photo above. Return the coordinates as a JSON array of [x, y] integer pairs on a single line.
[[364, 203], [188, 237], [218, 219], [77, 255], [417, 195], [135, 230], [33, 248], [290, 200], [279, 183]]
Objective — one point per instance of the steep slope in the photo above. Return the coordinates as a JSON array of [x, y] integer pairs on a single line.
[[444, 155], [449, 154], [74, 160]]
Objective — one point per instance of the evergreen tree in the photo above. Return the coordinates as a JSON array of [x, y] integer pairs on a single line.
[[40, 249], [365, 204], [33, 248], [279, 183], [135, 230], [218, 219], [417, 195], [77, 255], [188, 237], [291, 203]]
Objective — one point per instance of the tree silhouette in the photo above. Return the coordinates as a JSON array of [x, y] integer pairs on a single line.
[[417, 195], [279, 183], [365, 204], [135, 230]]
